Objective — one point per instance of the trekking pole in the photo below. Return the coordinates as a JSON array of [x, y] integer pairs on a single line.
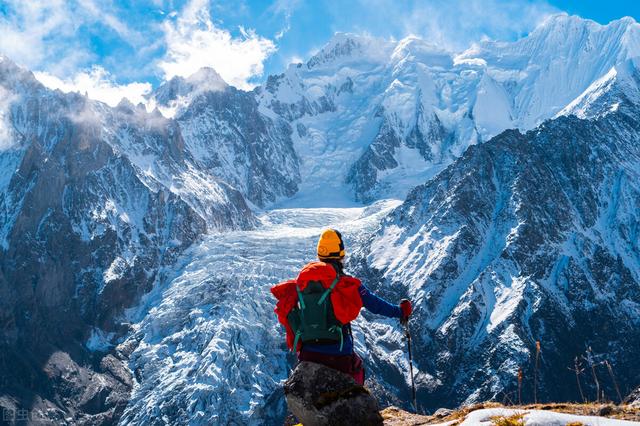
[[413, 385]]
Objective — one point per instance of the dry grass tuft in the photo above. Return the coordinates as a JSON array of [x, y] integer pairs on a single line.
[[514, 420]]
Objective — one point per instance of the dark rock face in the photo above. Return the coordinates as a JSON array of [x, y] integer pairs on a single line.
[[363, 175], [526, 237], [318, 395], [229, 137], [94, 203], [381, 155]]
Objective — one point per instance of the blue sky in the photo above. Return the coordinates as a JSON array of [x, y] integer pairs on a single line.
[[110, 47]]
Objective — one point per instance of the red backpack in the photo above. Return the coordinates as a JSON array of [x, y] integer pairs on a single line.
[[341, 293]]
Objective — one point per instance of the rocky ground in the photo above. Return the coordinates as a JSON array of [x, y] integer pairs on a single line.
[[534, 414]]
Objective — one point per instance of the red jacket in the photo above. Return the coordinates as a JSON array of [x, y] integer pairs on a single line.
[[345, 296]]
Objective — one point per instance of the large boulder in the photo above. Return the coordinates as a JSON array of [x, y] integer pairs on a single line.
[[321, 396]]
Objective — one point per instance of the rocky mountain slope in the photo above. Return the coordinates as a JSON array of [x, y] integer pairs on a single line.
[[528, 237], [94, 203], [227, 134]]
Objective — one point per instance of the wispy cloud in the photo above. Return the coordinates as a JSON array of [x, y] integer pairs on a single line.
[[26, 26], [95, 11], [60, 37], [284, 8], [194, 41], [452, 24], [98, 84]]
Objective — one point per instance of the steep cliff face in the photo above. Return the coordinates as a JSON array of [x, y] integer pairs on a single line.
[[94, 203], [528, 237], [229, 137]]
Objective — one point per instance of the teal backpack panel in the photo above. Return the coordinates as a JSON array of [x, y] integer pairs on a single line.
[[313, 319]]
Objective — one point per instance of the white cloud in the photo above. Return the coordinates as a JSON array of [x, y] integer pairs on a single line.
[[193, 42], [284, 8], [43, 34], [25, 29], [98, 84], [452, 24]]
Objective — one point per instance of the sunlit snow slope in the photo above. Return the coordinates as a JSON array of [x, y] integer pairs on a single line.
[[383, 116]]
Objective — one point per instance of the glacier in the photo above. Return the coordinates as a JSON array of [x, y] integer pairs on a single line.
[[208, 348]]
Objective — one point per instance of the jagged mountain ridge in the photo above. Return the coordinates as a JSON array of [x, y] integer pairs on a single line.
[[389, 115], [96, 203], [526, 237], [227, 135]]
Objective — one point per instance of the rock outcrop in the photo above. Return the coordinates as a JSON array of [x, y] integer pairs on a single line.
[[634, 398], [320, 396]]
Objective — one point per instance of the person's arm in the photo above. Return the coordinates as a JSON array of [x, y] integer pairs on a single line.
[[377, 305]]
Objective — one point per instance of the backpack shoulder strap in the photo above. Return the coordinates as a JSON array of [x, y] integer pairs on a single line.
[[328, 290], [300, 298]]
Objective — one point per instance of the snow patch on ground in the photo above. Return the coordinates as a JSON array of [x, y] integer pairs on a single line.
[[485, 417]]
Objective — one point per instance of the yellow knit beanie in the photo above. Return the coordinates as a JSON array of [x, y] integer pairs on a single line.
[[330, 245]]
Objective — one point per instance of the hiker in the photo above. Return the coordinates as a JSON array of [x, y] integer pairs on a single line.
[[317, 308]]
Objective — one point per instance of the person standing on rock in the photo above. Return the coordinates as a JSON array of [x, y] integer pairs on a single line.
[[317, 308]]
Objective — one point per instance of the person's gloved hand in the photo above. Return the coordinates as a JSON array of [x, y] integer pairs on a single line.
[[405, 307]]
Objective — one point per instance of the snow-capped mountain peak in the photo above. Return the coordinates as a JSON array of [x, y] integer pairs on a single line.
[[179, 92], [563, 37], [12, 74], [346, 47], [374, 101], [207, 78], [605, 94]]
